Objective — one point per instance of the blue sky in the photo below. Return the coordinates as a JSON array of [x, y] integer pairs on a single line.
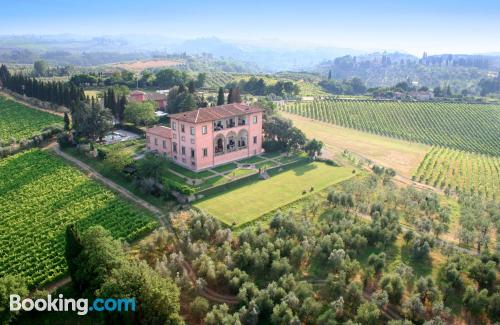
[[438, 26]]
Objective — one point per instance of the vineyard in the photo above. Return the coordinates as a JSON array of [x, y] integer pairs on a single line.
[[216, 79], [19, 122], [457, 171], [39, 196], [468, 127]]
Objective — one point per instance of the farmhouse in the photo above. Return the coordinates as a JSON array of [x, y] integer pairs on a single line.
[[209, 136], [140, 96]]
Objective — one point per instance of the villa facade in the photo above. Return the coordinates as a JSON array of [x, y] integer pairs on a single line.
[[211, 136]]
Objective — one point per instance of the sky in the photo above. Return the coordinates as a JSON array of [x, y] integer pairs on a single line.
[[435, 26]]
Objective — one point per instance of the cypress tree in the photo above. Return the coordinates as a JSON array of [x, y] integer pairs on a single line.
[[220, 97], [72, 250], [230, 96], [66, 122], [236, 95], [191, 87]]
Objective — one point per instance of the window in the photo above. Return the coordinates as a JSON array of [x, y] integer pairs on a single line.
[[148, 139], [174, 125], [192, 153], [183, 150], [182, 128], [192, 130], [192, 141], [175, 147], [164, 144], [175, 136], [183, 138], [255, 140], [205, 152], [255, 119], [204, 129], [156, 141]]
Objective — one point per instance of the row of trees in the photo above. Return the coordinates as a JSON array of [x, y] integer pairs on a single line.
[[164, 79], [60, 93], [259, 87], [354, 86]]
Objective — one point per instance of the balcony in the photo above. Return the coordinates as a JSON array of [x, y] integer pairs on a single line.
[[228, 124]]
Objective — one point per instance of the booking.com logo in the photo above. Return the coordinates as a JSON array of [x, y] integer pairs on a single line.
[[81, 305]]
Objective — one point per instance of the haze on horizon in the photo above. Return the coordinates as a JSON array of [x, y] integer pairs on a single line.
[[445, 27]]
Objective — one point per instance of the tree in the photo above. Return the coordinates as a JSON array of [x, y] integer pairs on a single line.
[[157, 297], [140, 113], [475, 302], [67, 126], [368, 314], [494, 307], [168, 78], [414, 309], [220, 97], [101, 254], [200, 79], [230, 96], [236, 96], [393, 285], [151, 166], [295, 139], [40, 68], [313, 148], [73, 248], [199, 307], [191, 87], [91, 120], [10, 284]]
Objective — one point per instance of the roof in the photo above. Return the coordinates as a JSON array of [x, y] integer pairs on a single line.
[[137, 92], [214, 113], [161, 131]]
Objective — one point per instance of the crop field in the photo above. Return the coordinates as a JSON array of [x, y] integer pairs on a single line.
[[216, 79], [460, 171], [20, 122], [248, 202], [468, 127], [39, 195]]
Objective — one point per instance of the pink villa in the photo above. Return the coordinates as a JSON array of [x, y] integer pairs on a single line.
[[140, 96], [210, 136]]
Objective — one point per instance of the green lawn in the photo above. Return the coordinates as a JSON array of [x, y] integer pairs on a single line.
[[225, 168], [252, 200]]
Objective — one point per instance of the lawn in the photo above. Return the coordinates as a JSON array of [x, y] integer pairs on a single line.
[[225, 168], [19, 122], [403, 156], [254, 199]]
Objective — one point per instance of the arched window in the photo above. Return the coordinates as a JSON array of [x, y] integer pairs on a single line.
[[242, 139]]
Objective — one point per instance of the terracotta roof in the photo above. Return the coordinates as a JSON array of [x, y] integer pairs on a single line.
[[137, 92], [214, 113], [161, 131]]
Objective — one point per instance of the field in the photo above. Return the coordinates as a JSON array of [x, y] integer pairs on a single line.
[[39, 196], [403, 156], [216, 79], [250, 201], [20, 122], [468, 127], [138, 66], [459, 171]]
